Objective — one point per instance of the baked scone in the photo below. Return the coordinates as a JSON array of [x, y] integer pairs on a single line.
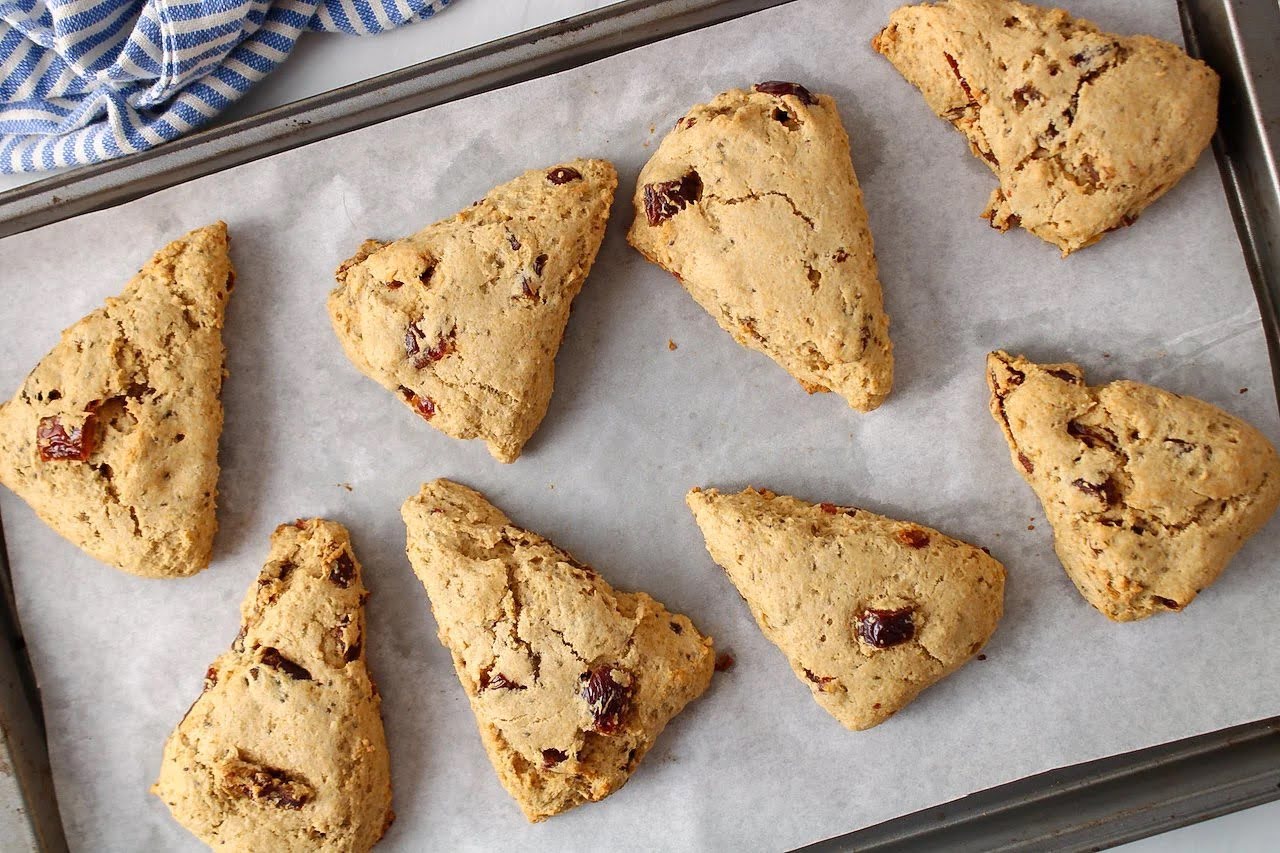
[[463, 319], [752, 204], [113, 438], [571, 681], [1150, 493], [284, 749], [1083, 128], [869, 611]]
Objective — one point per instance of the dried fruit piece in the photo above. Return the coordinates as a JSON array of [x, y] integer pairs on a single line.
[[1104, 492], [342, 570], [886, 628], [913, 537], [269, 785], [1094, 437], [424, 406], [780, 87], [563, 175], [552, 757], [820, 680], [443, 346], [665, 199], [497, 682], [271, 657], [54, 441], [605, 698]]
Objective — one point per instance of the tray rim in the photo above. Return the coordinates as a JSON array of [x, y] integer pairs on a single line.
[[1146, 791]]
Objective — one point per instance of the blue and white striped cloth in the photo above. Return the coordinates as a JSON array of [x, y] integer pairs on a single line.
[[87, 80]]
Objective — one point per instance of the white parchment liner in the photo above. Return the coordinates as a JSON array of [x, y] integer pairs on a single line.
[[755, 763]]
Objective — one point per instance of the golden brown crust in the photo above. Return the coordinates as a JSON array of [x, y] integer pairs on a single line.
[[819, 577], [284, 750], [571, 681], [1083, 128], [463, 320], [753, 204], [136, 385], [1150, 494]]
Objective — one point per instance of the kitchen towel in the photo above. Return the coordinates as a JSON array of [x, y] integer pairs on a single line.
[[83, 81]]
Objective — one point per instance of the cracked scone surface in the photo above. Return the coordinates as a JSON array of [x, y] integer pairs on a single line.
[[463, 320], [1083, 128], [868, 610], [1150, 494], [753, 204], [113, 437], [571, 681], [284, 750]]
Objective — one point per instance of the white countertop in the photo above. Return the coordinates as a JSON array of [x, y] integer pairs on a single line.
[[324, 62]]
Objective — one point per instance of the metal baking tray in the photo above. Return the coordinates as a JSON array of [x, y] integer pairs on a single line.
[[1083, 807]]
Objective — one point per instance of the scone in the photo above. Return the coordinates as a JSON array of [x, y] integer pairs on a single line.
[[869, 611], [284, 749], [1150, 493], [1083, 128], [463, 320], [113, 438], [571, 681], [752, 204]]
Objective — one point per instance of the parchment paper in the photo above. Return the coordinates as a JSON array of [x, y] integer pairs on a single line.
[[755, 763]]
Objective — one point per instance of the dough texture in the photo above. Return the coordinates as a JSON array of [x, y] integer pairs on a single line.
[[1083, 128], [1150, 493], [463, 320], [752, 203], [869, 611], [284, 749], [571, 681], [113, 437]]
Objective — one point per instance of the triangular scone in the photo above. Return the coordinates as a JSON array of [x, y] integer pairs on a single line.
[[113, 438], [1083, 128], [869, 611], [1150, 493], [571, 681], [463, 319], [752, 203], [284, 749]]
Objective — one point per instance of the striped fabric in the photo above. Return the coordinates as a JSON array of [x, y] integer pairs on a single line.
[[87, 80]]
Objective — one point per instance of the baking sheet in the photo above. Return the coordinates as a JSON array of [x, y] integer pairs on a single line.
[[755, 763]]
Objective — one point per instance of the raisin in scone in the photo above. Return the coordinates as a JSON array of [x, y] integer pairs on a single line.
[[1083, 128], [463, 320], [284, 750], [752, 203], [869, 611], [113, 437], [1150, 494], [571, 681]]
